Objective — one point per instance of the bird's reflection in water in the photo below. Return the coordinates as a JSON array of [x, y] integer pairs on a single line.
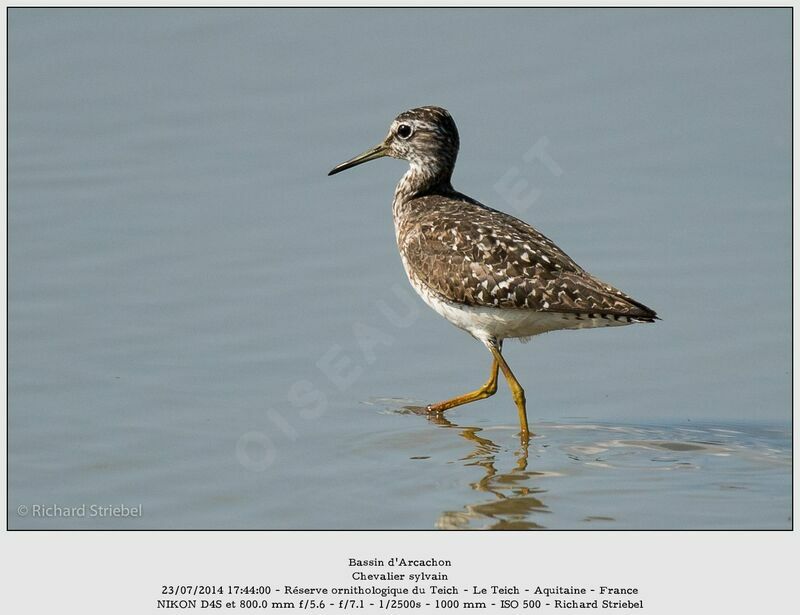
[[515, 499]]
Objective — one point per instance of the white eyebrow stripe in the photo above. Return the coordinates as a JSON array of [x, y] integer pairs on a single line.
[[425, 125]]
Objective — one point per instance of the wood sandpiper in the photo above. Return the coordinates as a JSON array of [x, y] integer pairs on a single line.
[[485, 271]]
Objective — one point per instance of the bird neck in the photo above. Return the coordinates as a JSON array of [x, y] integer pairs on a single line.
[[421, 180]]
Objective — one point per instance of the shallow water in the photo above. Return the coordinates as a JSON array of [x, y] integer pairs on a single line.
[[203, 323]]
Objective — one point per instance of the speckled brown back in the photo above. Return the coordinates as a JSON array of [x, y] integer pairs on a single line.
[[470, 254]]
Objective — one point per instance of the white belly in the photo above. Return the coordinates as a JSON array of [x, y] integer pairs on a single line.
[[488, 322], [485, 323]]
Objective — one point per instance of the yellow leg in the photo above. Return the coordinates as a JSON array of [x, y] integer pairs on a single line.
[[487, 390], [516, 389]]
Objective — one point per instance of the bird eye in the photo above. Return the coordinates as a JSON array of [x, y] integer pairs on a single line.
[[404, 131]]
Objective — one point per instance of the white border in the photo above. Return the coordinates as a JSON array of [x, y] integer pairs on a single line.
[[122, 572]]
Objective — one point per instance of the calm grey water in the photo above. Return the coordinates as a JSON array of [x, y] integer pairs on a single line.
[[204, 324]]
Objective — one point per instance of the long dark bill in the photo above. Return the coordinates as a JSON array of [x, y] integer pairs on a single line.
[[371, 154]]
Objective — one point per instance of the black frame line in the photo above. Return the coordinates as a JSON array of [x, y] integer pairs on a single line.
[[378, 7]]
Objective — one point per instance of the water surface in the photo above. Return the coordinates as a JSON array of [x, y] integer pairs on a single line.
[[202, 322]]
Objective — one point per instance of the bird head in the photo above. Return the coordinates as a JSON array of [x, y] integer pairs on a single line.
[[426, 137]]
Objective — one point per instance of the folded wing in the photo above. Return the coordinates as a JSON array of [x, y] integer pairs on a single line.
[[470, 254]]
